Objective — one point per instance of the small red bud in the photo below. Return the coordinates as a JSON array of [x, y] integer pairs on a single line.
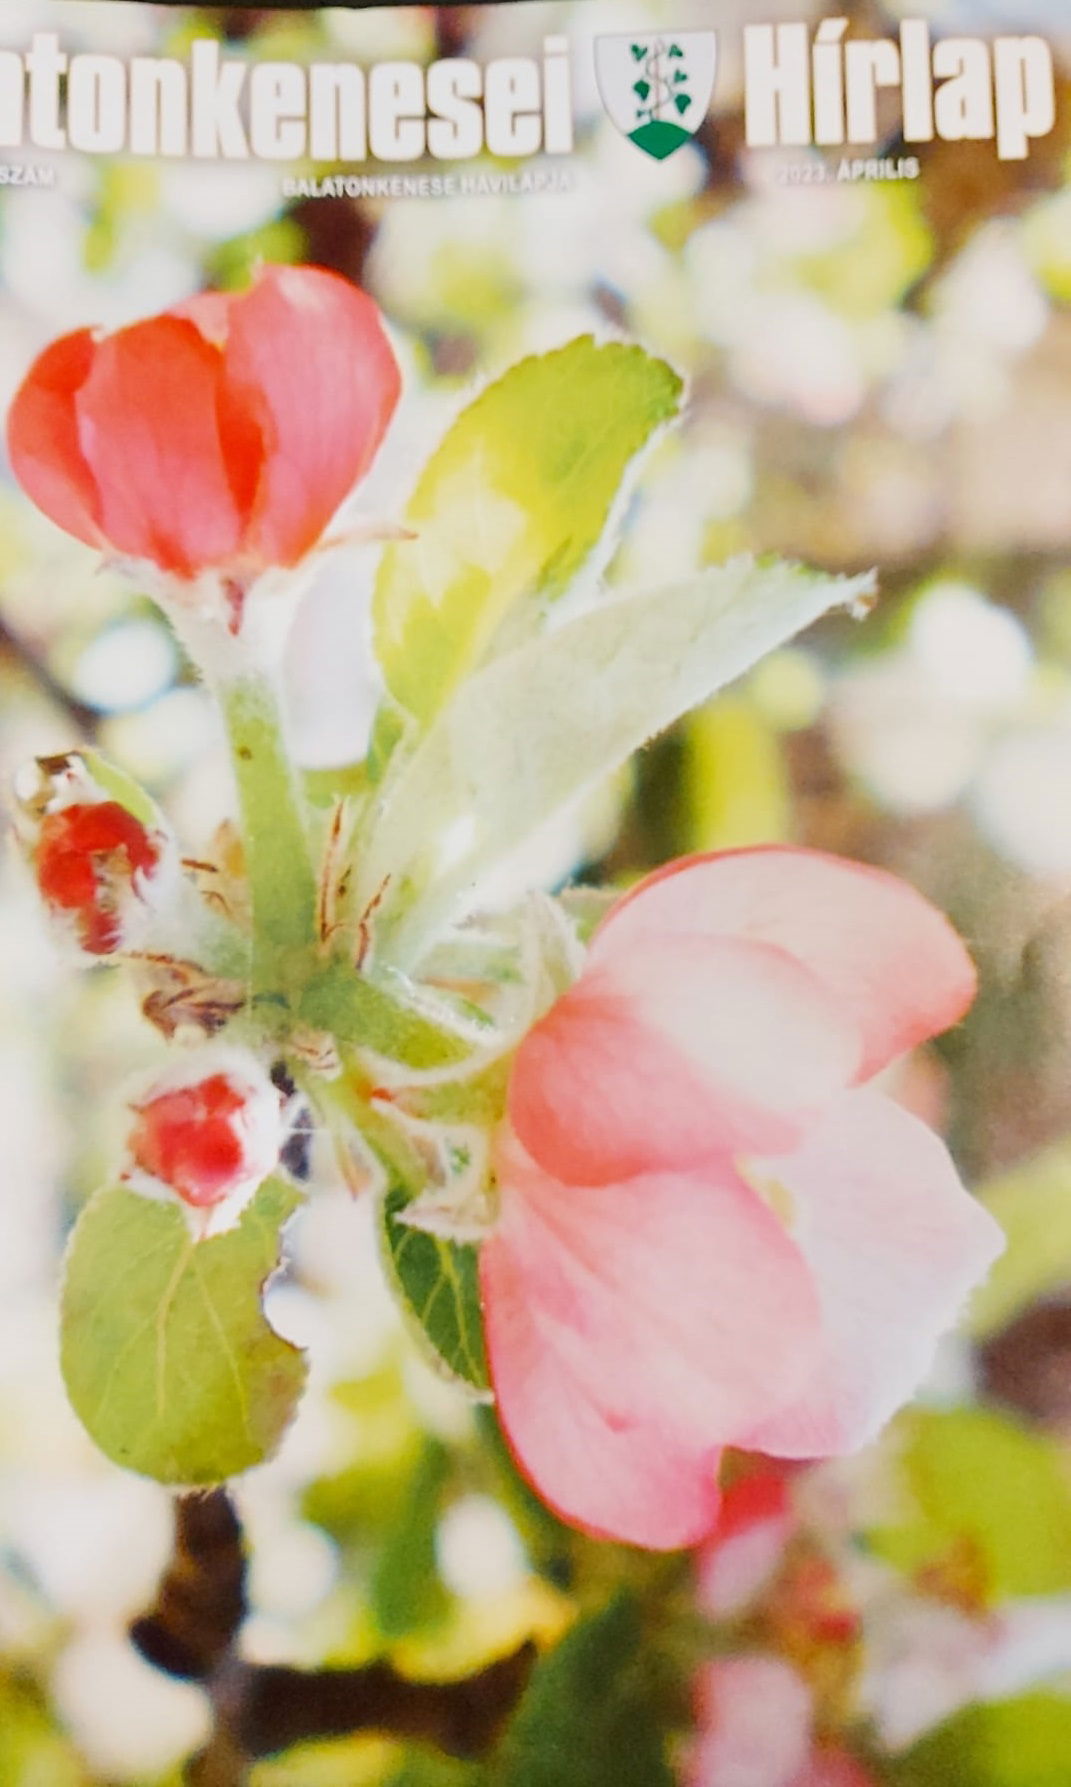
[[208, 1130], [91, 860], [191, 1141], [104, 859]]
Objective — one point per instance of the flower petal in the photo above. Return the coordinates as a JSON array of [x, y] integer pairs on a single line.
[[895, 1244], [887, 953], [634, 1483], [42, 437], [677, 1049], [834, 1768], [755, 1718], [149, 428], [632, 1329], [308, 366], [748, 1545], [210, 312]]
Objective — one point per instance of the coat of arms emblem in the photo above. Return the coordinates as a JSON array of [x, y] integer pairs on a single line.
[[657, 88]]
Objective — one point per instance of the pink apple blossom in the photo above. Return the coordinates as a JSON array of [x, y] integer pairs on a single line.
[[756, 1729], [756, 1523], [712, 1232], [221, 435]]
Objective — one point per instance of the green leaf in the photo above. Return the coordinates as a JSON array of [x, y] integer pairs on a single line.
[[511, 506], [407, 1592], [168, 1357], [531, 732], [1024, 1742], [985, 1494], [1033, 1207], [589, 1716], [438, 1285]]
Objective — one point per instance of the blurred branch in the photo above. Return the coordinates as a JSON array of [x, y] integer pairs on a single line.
[[192, 1632], [12, 646], [201, 1603]]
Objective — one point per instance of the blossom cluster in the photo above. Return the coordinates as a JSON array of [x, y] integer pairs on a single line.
[[706, 1227]]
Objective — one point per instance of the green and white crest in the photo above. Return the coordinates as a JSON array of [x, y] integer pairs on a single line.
[[657, 89]]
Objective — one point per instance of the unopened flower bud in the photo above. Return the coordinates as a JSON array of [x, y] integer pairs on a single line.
[[208, 1130], [101, 855]]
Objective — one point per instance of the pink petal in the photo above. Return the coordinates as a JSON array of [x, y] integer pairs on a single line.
[[634, 1483], [890, 956], [755, 1717], [675, 1049], [632, 1329], [210, 312], [149, 428], [748, 1544], [834, 1768], [895, 1245], [42, 436], [309, 369]]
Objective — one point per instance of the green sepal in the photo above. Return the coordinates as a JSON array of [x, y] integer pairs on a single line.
[[120, 787], [363, 1013]]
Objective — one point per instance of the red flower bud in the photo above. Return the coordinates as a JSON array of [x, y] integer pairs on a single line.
[[102, 857], [208, 1130], [222, 435], [90, 860]]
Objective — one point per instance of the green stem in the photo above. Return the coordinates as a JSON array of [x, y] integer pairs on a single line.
[[282, 885]]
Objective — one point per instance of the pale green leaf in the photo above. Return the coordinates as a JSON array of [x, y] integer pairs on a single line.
[[1033, 1207], [168, 1357], [534, 730], [985, 1496], [437, 1284], [511, 506]]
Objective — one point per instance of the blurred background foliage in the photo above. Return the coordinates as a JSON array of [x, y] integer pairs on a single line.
[[880, 374]]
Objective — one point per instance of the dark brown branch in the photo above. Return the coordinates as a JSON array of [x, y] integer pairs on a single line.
[[193, 1630], [281, 1707], [201, 1603]]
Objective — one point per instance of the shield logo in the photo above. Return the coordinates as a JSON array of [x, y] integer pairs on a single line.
[[657, 89]]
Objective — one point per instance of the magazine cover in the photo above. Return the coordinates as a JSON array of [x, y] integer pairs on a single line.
[[535, 954]]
